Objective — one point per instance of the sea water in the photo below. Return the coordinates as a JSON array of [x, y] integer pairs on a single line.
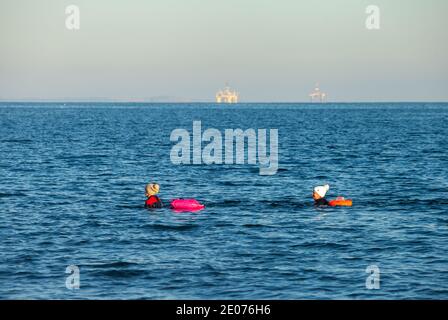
[[72, 180]]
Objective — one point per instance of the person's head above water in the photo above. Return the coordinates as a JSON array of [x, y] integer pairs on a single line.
[[152, 189], [319, 192]]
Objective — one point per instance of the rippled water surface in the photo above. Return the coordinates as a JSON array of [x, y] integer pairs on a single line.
[[72, 190]]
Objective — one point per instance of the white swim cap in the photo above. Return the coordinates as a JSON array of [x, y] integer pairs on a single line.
[[322, 190]]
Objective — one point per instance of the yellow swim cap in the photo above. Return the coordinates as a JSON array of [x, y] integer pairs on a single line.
[[152, 188]]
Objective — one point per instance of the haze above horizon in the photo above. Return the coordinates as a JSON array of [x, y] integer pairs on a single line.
[[185, 51]]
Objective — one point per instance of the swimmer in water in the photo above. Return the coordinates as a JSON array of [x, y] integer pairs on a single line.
[[319, 193], [153, 201]]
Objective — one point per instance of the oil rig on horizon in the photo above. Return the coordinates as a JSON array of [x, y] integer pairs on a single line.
[[317, 96], [227, 95]]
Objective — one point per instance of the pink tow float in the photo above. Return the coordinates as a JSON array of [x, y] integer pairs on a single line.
[[186, 205]]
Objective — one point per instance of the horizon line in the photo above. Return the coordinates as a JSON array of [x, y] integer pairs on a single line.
[[209, 102]]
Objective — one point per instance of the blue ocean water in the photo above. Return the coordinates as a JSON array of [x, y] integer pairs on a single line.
[[72, 180]]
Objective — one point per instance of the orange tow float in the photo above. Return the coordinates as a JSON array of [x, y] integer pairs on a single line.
[[341, 202]]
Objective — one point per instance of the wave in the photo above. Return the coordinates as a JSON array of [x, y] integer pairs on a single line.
[[168, 227], [256, 225], [16, 141], [9, 195], [116, 264]]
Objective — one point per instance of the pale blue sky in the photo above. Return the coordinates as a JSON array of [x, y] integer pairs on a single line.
[[269, 50]]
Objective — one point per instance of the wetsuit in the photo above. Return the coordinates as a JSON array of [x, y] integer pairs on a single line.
[[153, 202], [321, 202]]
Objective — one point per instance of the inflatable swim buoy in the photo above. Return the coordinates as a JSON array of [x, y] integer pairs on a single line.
[[186, 205], [340, 201]]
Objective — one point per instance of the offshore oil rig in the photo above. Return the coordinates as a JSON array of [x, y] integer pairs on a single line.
[[227, 95], [317, 96]]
